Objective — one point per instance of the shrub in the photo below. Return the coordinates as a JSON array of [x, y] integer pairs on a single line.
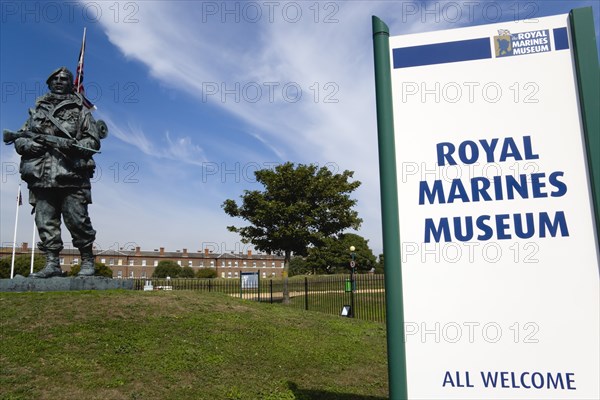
[[186, 272], [101, 270], [22, 265], [167, 268], [206, 273]]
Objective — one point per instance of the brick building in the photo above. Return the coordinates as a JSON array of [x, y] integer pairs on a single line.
[[139, 263]]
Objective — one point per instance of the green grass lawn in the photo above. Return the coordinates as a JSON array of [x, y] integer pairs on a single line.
[[182, 345]]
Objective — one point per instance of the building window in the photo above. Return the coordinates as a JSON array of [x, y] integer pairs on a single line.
[[131, 274], [212, 264], [189, 263], [229, 264], [131, 262], [111, 261], [75, 261], [119, 274], [179, 263], [264, 274], [222, 263], [62, 261], [282, 265], [245, 264], [120, 262], [222, 274], [264, 264], [254, 264], [236, 274], [236, 264], [143, 263], [156, 263], [143, 275], [201, 264], [273, 265], [103, 260]]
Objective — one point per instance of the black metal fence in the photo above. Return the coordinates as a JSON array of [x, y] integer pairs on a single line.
[[364, 294]]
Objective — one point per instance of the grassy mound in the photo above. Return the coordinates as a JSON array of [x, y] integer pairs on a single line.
[[182, 345]]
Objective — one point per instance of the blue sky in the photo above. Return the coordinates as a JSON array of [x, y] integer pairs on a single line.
[[198, 95]]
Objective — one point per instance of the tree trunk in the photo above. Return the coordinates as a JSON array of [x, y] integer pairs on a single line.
[[286, 268]]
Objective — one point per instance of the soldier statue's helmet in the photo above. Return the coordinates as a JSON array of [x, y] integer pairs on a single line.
[[58, 71]]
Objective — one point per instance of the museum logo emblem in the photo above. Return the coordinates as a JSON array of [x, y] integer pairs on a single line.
[[513, 44]]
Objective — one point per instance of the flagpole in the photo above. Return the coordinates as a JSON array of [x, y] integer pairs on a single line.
[[32, 247], [12, 263]]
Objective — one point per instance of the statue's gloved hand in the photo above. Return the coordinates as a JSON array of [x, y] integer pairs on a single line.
[[29, 148], [37, 149]]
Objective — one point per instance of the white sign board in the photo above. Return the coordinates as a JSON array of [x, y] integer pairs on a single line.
[[499, 254], [249, 280]]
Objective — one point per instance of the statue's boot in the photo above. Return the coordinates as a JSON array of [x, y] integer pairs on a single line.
[[87, 262], [52, 267]]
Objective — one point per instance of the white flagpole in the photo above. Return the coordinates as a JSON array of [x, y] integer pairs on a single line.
[[32, 246], [12, 263]]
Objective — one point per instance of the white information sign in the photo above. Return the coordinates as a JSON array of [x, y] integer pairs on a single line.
[[249, 280], [499, 254]]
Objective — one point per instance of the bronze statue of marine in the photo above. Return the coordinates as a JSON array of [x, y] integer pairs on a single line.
[[56, 145]]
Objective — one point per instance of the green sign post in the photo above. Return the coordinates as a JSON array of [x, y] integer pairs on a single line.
[[588, 82], [389, 206]]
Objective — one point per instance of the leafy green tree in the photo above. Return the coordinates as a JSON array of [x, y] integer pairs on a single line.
[[300, 206], [299, 266], [22, 265], [167, 268], [206, 273], [335, 255], [187, 272], [101, 270]]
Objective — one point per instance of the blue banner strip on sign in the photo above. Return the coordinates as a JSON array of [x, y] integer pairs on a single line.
[[561, 38], [442, 53]]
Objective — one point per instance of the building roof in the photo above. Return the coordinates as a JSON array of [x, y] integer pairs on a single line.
[[158, 253]]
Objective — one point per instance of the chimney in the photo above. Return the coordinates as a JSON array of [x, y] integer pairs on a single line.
[[24, 246], [206, 252], [185, 254], [137, 251], [162, 251], [249, 253]]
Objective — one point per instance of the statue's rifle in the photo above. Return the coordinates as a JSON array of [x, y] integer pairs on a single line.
[[9, 137]]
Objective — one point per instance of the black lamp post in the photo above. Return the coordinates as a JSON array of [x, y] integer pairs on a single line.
[[352, 268]]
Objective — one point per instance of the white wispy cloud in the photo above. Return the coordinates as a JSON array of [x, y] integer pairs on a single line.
[[180, 149], [133, 136]]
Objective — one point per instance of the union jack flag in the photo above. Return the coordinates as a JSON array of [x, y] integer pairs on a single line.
[[78, 82]]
